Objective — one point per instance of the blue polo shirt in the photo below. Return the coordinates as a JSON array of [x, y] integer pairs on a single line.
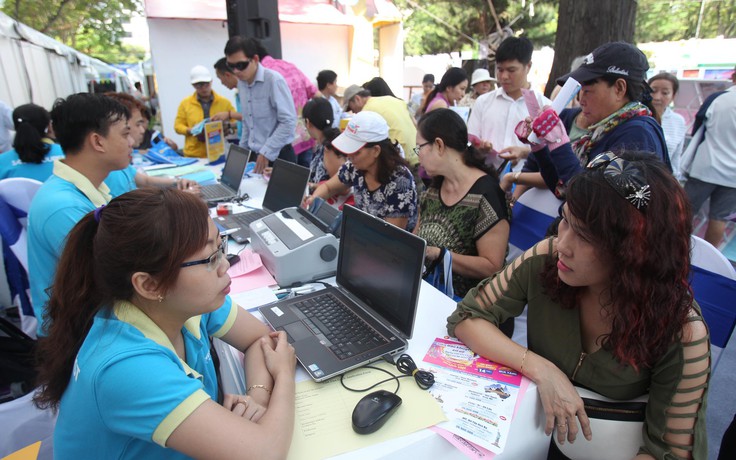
[[121, 181], [56, 208], [12, 166], [129, 390]]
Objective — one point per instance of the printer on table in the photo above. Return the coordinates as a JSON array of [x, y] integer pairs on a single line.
[[296, 246]]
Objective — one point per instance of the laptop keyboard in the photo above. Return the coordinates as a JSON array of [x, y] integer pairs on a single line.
[[348, 333], [214, 191]]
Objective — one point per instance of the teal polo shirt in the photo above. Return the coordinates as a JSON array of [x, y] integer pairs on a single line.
[[56, 208], [121, 181], [12, 166], [129, 390]]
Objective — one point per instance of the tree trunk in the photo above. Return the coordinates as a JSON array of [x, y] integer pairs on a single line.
[[582, 26]]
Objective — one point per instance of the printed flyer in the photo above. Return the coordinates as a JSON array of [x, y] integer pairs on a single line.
[[478, 396]]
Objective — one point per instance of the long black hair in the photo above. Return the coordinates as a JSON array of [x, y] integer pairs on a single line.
[[453, 77], [31, 122]]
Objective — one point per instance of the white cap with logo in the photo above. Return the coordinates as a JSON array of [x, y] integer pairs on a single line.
[[199, 74], [363, 128]]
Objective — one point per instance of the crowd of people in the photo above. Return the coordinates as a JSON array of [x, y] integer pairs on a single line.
[[129, 281]]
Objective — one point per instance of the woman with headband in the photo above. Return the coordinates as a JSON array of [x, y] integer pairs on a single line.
[[609, 309]]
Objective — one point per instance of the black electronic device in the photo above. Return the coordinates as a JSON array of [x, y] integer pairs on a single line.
[[373, 410], [257, 19]]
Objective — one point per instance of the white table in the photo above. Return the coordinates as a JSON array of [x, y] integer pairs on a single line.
[[526, 438]]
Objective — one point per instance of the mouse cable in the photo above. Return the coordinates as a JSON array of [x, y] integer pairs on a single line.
[[405, 364]]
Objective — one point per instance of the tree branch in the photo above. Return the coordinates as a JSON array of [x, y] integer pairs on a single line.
[[495, 16], [55, 16]]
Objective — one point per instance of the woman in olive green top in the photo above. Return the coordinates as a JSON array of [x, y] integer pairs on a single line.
[[610, 308]]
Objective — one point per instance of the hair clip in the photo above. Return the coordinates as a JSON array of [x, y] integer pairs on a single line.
[[98, 213], [624, 177]]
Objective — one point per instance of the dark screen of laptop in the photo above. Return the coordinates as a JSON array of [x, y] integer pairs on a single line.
[[381, 264], [286, 186], [234, 168]]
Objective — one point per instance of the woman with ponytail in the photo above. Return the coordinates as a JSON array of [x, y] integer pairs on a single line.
[[464, 209], [450, 90], [140, 288], [34, 151]]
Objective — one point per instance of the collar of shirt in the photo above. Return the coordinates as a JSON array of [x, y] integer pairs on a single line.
[[501, 93], [259, 77], [129, 313], [97, 195]]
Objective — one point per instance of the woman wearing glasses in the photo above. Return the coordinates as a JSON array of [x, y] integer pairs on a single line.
[[381, 180], [464, 209], [609, 309], [140, 288]]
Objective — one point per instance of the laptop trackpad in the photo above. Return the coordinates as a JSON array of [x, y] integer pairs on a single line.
[[298, 331]]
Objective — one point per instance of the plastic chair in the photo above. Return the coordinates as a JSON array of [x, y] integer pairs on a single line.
[[714, 286], [535, 210], [16, 195]]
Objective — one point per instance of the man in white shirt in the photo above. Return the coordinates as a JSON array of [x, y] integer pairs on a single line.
[[497, 113], [713, 170]]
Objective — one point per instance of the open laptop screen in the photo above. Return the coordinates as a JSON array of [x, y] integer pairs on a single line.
[[232, 173], [381, 265], [286, 187]]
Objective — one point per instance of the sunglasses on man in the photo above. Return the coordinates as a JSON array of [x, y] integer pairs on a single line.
[[240, 66]]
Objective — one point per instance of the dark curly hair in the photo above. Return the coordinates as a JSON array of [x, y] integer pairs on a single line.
[[649, 297]]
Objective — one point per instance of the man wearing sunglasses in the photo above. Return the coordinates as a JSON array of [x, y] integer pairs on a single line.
[[202, 104], [269, 117]]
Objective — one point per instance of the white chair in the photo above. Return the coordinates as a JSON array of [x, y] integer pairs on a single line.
[[714, 286], [16, 195]]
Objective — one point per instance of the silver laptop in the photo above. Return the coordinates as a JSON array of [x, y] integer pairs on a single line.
[[285, 190], [232, 175], [371, 311]]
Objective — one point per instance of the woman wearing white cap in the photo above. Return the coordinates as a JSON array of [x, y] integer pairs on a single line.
[[382, 182], [482, 83]]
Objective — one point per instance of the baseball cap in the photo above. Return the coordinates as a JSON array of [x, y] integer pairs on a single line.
[[349, 93], [479, 76], [619, 59], [363, 128], [199, 74]]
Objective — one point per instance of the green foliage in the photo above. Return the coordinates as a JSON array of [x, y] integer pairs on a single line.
[[426, 34], [93, 27], [658, 20]]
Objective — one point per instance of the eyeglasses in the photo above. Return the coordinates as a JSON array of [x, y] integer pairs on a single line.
[[213, 261], [241, 65], [624, 177], [201, 84], [417, 148]]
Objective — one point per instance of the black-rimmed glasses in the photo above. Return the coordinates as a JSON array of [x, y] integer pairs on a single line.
[[417, 148], [213, 261]]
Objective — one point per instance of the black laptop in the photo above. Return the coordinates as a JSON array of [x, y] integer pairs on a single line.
[[285, 190], [232, 175], [370, 313]]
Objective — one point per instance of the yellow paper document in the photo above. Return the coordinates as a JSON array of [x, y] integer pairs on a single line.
[[323, 425]]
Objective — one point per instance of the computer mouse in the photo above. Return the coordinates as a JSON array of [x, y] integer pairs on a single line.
[[373, 410]]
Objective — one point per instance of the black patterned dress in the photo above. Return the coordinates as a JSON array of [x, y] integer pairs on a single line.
[[458, 227]]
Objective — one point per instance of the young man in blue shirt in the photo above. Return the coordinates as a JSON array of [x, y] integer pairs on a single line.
[[269, 117], [94, 133]]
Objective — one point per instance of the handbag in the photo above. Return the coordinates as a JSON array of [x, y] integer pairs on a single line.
[[439, 273], [616, 426], [687, 157]]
